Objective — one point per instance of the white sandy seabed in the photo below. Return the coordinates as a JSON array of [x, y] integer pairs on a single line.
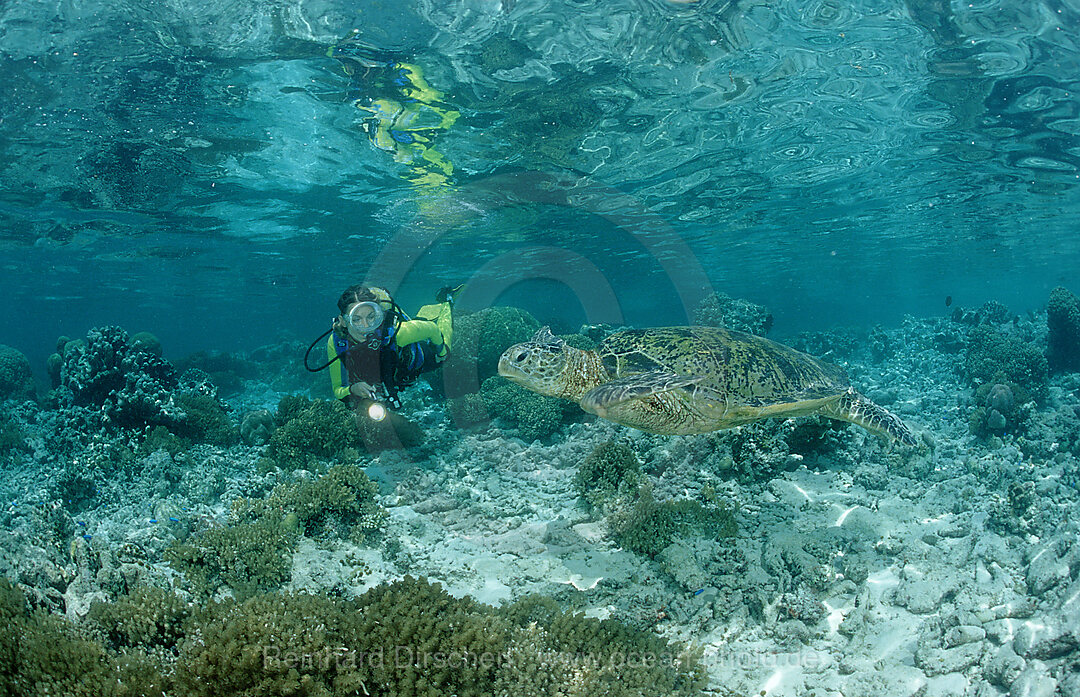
[[866, 572], [951, 569]]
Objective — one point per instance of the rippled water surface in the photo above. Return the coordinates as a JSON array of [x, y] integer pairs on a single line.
[[202, 164]]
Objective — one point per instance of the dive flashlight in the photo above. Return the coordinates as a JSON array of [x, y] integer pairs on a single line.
[[376, 411]]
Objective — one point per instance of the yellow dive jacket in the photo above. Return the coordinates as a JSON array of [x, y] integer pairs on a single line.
[[402, 345]]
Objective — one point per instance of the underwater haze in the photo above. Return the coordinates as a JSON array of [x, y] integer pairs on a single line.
[[890, 187]]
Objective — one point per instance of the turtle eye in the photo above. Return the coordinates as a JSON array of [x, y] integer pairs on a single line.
[[521, 356]]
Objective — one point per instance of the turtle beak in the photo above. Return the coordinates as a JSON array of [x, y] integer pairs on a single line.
[[507, 369]]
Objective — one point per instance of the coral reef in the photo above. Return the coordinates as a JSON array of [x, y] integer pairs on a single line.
[[468, 410], [53, 365], [993, 356], [646, 526], [205, 420], [411, 638], [148, 618], [611, 469], [42, 654], [16, 378], [992, 313], [340, 503], [479, 339], [257, 426], [253, 553], [161, 438], [228, 370], [1000, 408], [312, 430], [1063, 323], [11, 438], [127, 385], [534, 415], [407, 639], [248, 558], [145, 341], [721, 310]]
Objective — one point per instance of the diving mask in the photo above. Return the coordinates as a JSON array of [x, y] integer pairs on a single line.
[[364, 318]]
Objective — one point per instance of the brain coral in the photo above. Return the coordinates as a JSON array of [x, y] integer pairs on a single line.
[[16, 380], [1063, 322]]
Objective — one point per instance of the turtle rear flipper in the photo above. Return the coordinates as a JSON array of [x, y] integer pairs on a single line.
[[601, 398], [853, 407]]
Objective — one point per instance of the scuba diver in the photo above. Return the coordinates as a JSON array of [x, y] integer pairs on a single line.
[[403, 113], [374, 349]]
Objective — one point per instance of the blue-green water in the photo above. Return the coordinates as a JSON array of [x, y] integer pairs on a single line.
[[200, 164]]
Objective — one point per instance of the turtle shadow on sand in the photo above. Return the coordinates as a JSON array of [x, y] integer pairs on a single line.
[[687, 380]]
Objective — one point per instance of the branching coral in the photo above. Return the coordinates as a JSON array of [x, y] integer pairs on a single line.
[[311, 431], [42, 654], [610, 469], [536, 416], [409, 638], [148, 618], [249, 558], [340, 503], [646, 526]]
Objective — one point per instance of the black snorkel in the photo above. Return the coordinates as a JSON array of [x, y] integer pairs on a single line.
[[324, 366]]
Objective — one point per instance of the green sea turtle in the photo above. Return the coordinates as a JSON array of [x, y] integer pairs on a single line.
[[684, 380]]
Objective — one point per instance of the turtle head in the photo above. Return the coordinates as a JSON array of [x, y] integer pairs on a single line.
[[539, 364]]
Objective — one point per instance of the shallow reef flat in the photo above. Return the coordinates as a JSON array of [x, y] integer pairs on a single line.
[[184, 503]]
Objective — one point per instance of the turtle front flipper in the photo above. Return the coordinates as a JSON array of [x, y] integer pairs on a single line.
[[853, 407], [603, 397]]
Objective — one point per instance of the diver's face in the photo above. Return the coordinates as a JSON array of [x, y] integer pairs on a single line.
[[362, 319], [363, 315]]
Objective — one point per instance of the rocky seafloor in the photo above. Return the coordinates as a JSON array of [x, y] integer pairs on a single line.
[[798, 557]]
